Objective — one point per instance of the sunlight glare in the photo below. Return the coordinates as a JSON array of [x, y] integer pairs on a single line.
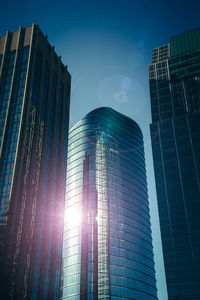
[[73, 216]]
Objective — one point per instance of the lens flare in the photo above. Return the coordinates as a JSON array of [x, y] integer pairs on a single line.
[[73, 216]]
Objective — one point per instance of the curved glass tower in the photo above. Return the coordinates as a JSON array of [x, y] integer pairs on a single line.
[[107, 248]]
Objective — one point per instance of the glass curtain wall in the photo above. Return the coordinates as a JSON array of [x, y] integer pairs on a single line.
[[107, 249]]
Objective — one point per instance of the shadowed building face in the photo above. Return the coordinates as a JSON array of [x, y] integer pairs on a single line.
[[107, 249], [175, 102], [34, 115]]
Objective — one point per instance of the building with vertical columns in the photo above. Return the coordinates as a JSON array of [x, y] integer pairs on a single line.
[[34, 117], [174, 77], [107, 244]]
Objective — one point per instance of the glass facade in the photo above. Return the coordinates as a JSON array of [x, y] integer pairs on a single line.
[[107, 245], [34, 118], [9, 153], [175, 103]]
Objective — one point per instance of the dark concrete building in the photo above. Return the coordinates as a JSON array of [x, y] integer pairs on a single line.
[[107, 244], [174, 77], [34, 115]]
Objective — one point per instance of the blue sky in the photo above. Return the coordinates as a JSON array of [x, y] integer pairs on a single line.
[[107, 46]]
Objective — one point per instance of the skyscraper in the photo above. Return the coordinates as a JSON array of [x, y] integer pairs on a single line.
[[34, 115], [174, 77], [107, 248]]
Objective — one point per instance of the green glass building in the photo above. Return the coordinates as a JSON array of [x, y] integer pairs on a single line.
[[107, 247], [34, 116], [174, 77]]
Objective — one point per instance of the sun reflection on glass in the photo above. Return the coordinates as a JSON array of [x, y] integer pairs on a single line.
[[73, 216]]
